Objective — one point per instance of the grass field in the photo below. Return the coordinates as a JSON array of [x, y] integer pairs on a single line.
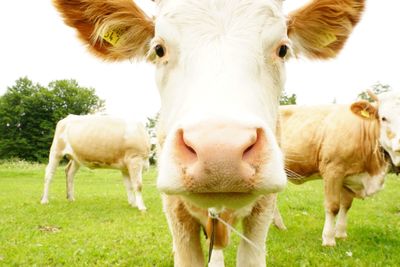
[[101, 229]]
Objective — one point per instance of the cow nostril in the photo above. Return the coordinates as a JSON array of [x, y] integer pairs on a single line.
[[186, 152], [254, 146], [248, 150], [190, 149]]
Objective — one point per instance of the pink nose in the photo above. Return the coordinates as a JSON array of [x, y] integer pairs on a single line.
[[219, 158]]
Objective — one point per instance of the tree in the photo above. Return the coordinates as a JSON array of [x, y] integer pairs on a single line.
[[287, 99], [377, 89], [29, 113]]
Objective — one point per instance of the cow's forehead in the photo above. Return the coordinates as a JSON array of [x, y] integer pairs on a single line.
[[391, 98], [199, 12], [236, 28], [389, 104]]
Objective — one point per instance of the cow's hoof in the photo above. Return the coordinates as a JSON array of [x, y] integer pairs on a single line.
[[342, 235], [281, 227], [143, 209], [44, 201], [329, 243], [71, 199]]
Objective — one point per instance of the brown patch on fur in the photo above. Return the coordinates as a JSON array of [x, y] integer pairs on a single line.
[[390, 135], [369, 147], [321, 28], [93, 18], [221, 231]]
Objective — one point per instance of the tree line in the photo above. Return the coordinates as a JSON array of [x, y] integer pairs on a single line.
[[30, 111]]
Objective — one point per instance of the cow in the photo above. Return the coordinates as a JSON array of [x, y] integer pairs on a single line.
[[100, 141], [220, 72], [348, 146]]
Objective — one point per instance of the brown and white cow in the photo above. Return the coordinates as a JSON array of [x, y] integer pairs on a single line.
[[332, 142], [100, 141], [220, 71]]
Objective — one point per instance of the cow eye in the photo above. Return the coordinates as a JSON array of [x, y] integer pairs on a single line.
[[384, 119], [283, 49], [160, 51]]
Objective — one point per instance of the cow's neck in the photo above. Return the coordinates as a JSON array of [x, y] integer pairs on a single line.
[[220, 230]]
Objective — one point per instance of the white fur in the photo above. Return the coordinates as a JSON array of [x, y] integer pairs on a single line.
[[389, 108], [222, 64], [364, 185], [328, 234]]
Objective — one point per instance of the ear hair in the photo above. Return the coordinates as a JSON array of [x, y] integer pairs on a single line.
[[364, 109], [321, 28], [96, 20]]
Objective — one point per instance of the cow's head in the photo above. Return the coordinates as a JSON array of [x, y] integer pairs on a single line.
[[389, 116], [385, 111], [220, 72]]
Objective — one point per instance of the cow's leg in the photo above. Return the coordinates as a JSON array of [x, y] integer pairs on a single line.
[[255, 228], [135, 173], [70, 170], [278, 221], [217, 258], [346, 199], [185, 231], [54, 159], [129, 189], [332, 187]]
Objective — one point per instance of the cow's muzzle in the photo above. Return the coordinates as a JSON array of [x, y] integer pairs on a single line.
[[220, 158]]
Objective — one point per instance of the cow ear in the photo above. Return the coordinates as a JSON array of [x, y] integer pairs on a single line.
[[113, 30], [364, 109], [321, 28]]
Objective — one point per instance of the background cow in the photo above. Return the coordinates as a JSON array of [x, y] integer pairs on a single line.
[[347, 152], [220, 72], [99, 141]]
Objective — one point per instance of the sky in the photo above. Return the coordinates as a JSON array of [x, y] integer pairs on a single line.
[[36, 43]]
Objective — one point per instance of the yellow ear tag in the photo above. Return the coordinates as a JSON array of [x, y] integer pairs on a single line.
[[112, 36], [327, 39], [365, 114]]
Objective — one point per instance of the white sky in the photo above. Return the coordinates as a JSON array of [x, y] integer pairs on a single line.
[[36, 43]]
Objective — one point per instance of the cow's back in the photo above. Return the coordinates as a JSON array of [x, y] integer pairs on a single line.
[[104, 141], [314, 137]]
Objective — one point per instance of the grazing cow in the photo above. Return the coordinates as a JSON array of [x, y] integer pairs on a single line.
[[348, 153], [220, 72], [99, 141]]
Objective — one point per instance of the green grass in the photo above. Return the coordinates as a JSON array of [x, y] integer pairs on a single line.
[[101, 229]]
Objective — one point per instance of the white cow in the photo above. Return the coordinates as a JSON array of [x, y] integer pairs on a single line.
[[99, 141], [220, 72], [388, 113]]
